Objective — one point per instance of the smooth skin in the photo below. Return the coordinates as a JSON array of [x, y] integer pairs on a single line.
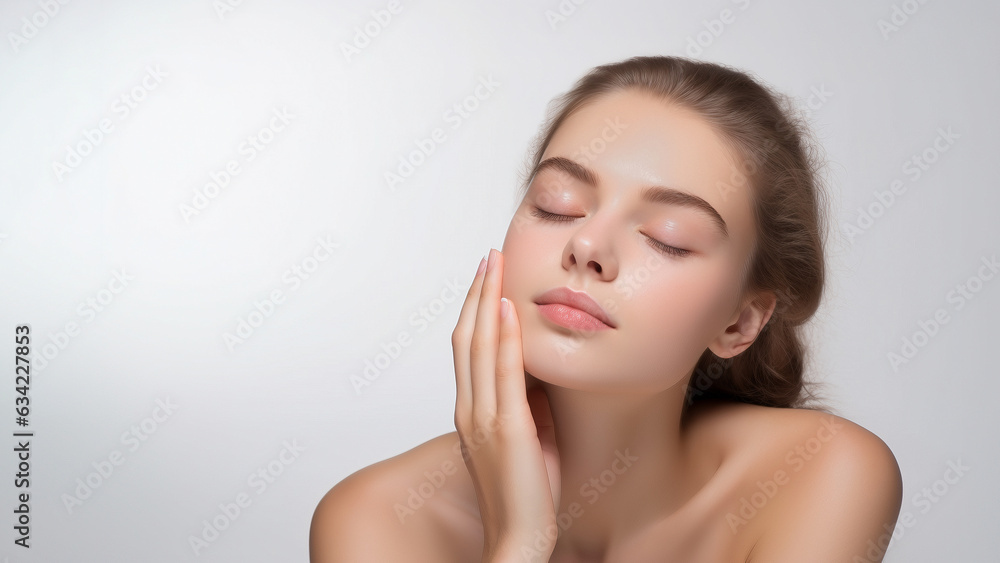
[[604, 454]]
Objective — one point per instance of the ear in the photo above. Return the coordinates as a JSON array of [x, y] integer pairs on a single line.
[[745, 325]]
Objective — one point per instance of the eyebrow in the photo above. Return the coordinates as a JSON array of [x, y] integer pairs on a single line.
[[651, 194]]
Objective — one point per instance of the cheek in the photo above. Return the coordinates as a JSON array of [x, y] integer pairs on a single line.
[[526, 254], [679, 310]]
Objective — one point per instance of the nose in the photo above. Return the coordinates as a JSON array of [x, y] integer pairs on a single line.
[[590, 250]]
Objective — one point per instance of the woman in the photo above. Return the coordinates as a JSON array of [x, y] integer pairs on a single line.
[[629, 369]]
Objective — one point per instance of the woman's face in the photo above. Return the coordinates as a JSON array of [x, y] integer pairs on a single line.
[[603, 240]]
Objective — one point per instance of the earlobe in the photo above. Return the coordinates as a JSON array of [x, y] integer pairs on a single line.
[[745, 326]]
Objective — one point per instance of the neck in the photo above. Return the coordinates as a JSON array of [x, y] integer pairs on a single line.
[[622, 463]]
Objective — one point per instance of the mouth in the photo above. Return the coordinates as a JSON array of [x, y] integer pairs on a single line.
[[574, 309]]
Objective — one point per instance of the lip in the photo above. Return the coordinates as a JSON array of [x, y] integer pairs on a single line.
[[581, 302]]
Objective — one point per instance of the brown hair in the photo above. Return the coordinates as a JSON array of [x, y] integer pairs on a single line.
[[782, 169]]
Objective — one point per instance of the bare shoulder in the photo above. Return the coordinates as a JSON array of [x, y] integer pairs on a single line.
[[393, 510], [832, 488], [809, 442]]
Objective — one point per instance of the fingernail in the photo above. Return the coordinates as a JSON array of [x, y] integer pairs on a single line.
[[482, 266], [504, 305], [493, 259]]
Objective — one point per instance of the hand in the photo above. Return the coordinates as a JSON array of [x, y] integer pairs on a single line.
[[508, 441]]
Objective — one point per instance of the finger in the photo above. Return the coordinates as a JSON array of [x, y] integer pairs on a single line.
[[541, 413], [460, 340], [485, 340], [511, 394]]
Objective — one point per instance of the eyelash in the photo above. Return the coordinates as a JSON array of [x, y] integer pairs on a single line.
[[556, 218]]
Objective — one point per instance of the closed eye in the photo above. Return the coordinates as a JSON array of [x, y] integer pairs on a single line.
[[545, 215], [667, 249], [664, 248]]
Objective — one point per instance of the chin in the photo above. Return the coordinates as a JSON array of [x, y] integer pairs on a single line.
[[560, 360], [553, 367], [553, 364]]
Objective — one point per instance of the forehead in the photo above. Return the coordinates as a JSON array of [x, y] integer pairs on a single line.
[[631, 139]]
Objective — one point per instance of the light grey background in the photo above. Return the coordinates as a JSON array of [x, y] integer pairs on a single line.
[[218, 76]]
